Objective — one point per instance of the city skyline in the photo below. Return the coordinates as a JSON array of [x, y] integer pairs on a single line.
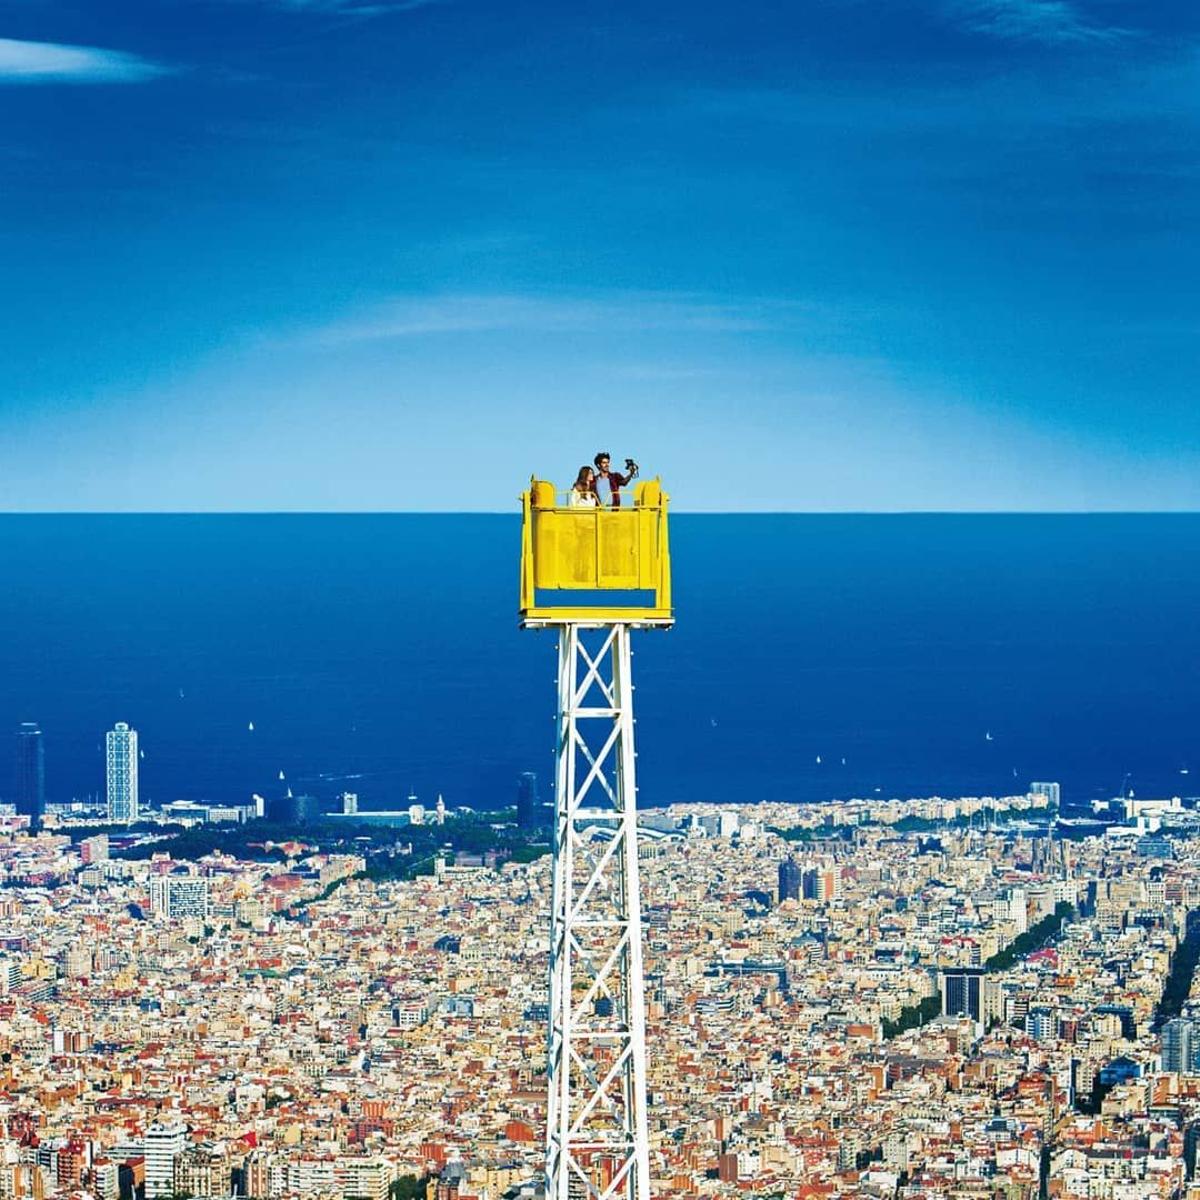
[[121, 770], [349, 256]]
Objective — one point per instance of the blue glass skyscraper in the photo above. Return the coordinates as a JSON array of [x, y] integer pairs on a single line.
[[529, 808], [31, 773], [789, 880]]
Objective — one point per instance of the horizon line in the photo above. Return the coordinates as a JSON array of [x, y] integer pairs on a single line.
[[515, 512]]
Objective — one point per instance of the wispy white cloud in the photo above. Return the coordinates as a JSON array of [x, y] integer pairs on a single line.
[[462, 313], [52, 62], [1049, 22]]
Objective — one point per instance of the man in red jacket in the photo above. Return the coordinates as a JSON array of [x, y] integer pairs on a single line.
[[608, 482]]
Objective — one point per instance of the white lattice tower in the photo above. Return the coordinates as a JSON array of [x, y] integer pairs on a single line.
[[596, 1135]]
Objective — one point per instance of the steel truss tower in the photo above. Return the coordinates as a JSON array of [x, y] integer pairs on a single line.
[[593, 574], [596, 1135]]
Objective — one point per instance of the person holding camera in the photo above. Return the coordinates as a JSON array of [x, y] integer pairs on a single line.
[[608, 482]]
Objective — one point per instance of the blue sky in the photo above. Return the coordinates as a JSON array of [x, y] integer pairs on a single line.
[[398, 254]]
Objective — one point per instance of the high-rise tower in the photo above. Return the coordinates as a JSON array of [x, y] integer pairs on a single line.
[[1181, 1046], [573, 562], [529, 808], [31, 773], [121, 762], [962, 992], [790, 879]]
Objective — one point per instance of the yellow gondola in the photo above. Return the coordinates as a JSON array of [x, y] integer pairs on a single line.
[[569, 550]]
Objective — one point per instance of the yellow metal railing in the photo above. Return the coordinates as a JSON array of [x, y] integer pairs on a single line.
[[569, 549]]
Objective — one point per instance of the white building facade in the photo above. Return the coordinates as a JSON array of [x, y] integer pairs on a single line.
[[121, 762], [165, 1142]]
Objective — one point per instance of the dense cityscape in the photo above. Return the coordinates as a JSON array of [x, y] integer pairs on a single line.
[[965, 997], [610, 599]]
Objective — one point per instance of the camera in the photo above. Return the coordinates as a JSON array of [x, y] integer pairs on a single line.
[[630, 466]]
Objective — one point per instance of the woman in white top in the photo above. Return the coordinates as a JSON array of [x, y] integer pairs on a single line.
[[583, 491]]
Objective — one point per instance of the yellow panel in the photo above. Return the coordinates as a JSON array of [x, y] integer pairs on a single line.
[[618, 549], [564, 547]]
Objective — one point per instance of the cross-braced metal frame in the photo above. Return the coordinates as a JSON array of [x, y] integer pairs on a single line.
[[596, 1134]]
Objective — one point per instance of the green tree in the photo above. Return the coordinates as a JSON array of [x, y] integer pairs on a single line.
[[913, 1016], [409, 1187]]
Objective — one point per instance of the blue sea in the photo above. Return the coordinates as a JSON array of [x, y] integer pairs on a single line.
[[814, 656]]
